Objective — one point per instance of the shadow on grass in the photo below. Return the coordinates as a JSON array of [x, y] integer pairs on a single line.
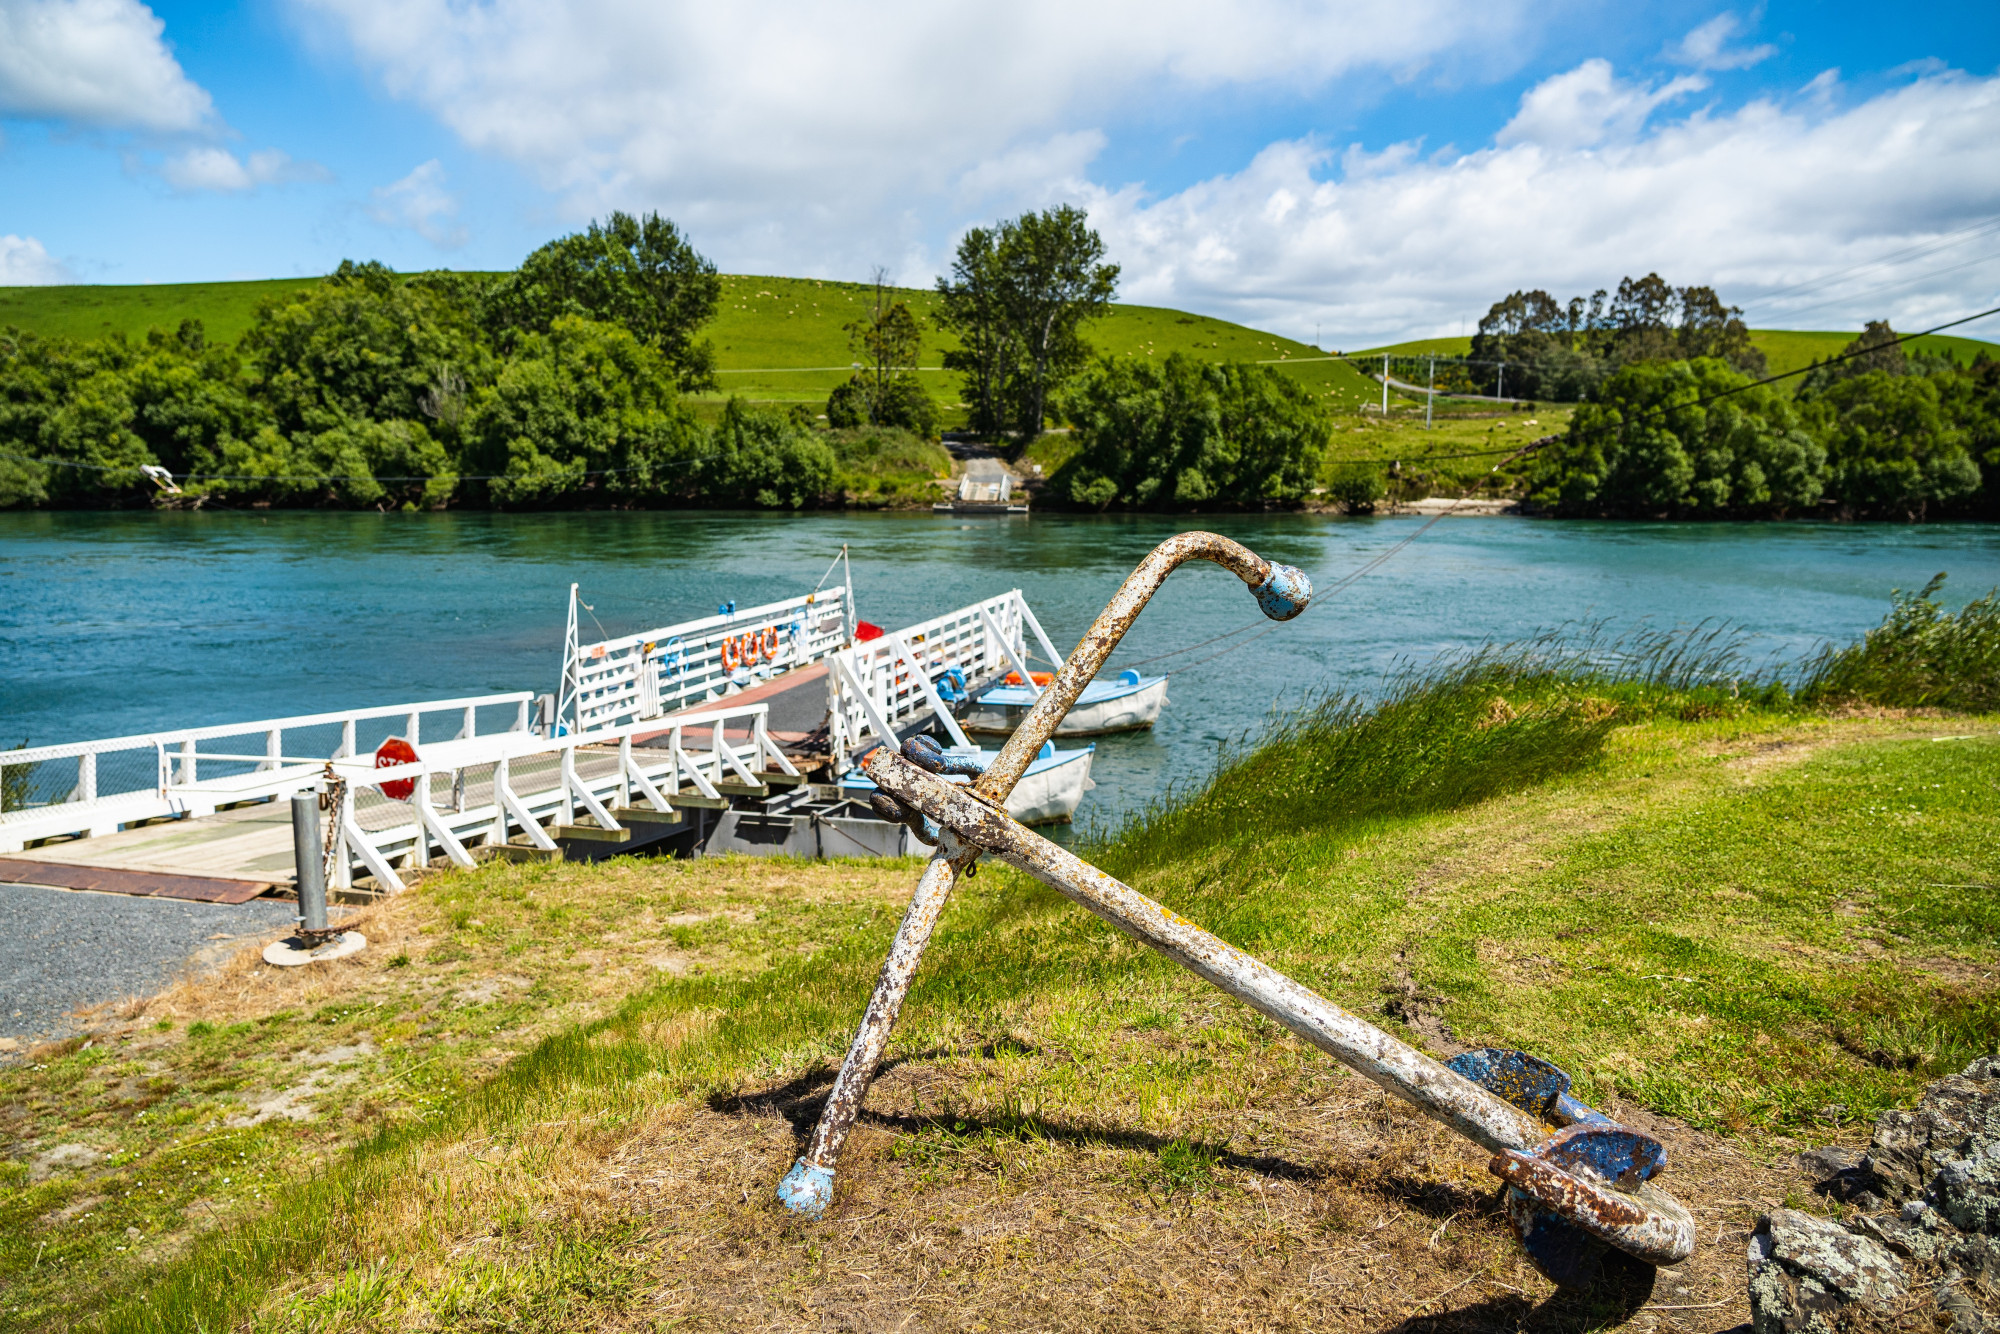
[[1623, 1285]]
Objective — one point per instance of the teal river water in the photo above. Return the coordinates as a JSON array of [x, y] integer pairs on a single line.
[[120, 623]]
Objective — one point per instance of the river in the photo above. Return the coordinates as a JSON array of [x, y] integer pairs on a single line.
[[116, 623]]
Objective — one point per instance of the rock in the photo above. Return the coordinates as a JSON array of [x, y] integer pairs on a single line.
[[1947, 1151], [1965, 1317], [1840, 1173], [1805, 1271]]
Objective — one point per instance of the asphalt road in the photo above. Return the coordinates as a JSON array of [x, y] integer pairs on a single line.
[[61, 949]]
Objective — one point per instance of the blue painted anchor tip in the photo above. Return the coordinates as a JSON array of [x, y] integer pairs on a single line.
[[806, 1190], [1286, 593]]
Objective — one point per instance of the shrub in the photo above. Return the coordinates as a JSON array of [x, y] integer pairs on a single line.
[[763, 459], [1650, 447], [1921, 655], [1355, 487], [1891, 448], [1181, 432]]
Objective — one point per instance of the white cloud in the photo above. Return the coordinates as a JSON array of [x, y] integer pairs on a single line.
[[222, 171], [1750, 202], [421, 203], [810, 134], [1588, 105], [26, 262], [95, 63], [1707, 47]]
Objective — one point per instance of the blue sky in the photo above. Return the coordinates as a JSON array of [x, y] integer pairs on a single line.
[[1365, 170]]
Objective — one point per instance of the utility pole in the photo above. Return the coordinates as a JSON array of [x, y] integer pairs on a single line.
[[1385, 386], [1501, 392], [1430, 393]]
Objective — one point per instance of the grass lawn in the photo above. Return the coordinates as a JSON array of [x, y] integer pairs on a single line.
[[559, 1097]]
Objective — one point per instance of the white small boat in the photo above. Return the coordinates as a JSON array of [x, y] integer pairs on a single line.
[[1127, 703], [1048, 793]]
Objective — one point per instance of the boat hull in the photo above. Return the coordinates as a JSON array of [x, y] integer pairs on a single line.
[[1048, 793], [1122, 711]]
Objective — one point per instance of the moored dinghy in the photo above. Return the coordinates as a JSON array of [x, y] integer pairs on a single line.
[[1128, 702], [1048, 793]]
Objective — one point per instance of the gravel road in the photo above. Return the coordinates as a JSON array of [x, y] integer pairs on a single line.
[[65, 948]]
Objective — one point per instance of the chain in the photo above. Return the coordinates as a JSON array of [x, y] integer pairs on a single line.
[[331, 799]]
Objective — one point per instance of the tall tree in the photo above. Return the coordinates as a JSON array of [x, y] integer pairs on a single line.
[[969, 306], [884, 391], [638, 272], [1052, 280]]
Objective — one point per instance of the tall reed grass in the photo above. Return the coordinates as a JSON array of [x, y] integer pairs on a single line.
[[1498, 719], [1920, 656]]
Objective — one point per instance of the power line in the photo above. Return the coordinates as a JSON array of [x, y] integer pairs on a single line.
[[1902, 256]]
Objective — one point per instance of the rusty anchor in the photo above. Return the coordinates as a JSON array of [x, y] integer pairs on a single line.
[[1570, 1194]]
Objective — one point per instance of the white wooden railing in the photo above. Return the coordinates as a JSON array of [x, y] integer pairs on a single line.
[[120, 780], [498, 789], [880, 685], [654, 672]]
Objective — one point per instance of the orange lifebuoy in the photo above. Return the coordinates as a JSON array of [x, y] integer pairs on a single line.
[[1039, 678], [749, 650], [732, 658], [770, 642]]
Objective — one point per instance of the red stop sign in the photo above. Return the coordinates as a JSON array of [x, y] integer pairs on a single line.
[[388, 755]]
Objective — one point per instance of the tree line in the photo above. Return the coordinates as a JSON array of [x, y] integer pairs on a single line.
[[1873, 433], [559, 383]]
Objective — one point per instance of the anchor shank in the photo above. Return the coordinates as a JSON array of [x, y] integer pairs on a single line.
[[1282, 591], [1396, 1066], [872, 1038]]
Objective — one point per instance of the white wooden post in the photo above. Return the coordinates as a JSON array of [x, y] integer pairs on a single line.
[[343, 859], [498, 833], [420, 855], [625, 770], [568, 806], [471, 725], [716, 754], [346, 740], [520, 716], [86, 776], [410, 727], [187, 761]]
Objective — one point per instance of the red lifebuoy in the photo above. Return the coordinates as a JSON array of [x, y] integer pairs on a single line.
[[770, 643], [388, 755], [732, 658], [1039, 678]]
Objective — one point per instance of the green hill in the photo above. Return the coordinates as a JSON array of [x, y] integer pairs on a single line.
[[92, 312], [778, 340], [1784, 349], [784, 340]]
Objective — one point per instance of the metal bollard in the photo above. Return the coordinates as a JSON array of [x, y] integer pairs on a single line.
[[1282, 592], [310, 858]]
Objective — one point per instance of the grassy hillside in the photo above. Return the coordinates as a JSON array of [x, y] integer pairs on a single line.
[[559, 1097], [1784, 349], [783, 340], [92, 312]]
